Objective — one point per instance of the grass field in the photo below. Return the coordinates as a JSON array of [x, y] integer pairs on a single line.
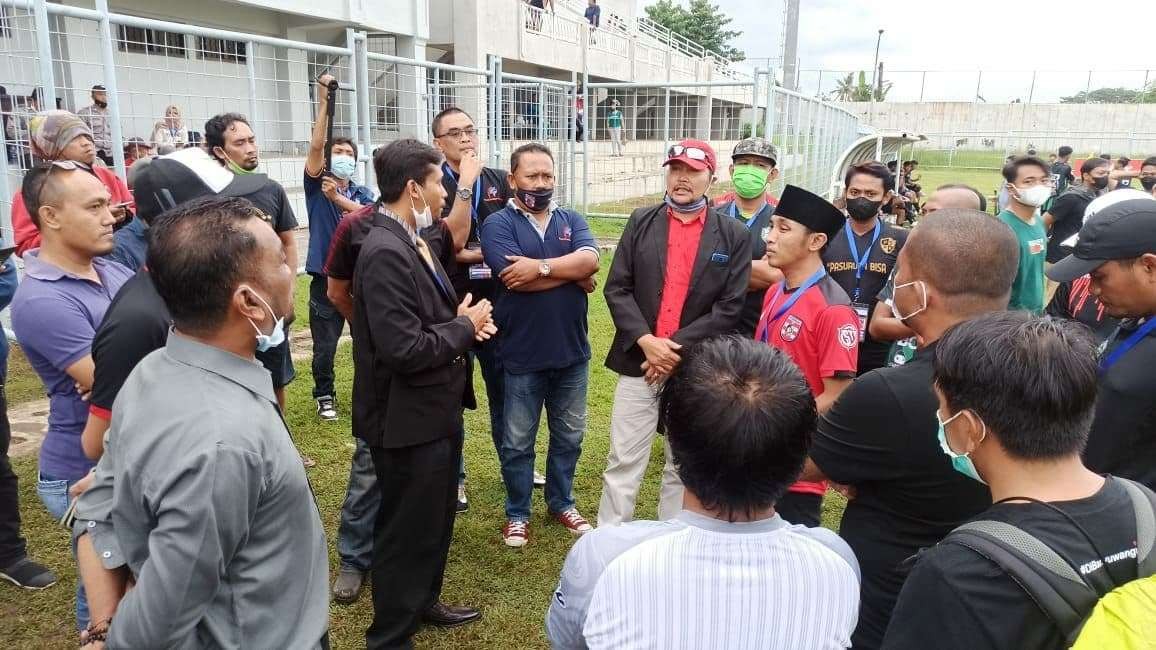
[[513, 587]]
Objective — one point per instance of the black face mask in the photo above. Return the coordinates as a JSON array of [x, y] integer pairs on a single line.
[[100, 104], [1148, 183], [1100, 182], [862, 209], [535, 200]]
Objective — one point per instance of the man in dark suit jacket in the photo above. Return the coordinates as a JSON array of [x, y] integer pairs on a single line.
[[679, 275], [411, 379]]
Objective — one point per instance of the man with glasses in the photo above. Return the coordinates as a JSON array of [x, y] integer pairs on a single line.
[[680, 275], [1029, 185], [477, 191]]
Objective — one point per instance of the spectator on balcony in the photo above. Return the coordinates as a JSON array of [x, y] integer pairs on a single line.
[[97, 118], [593, 15], [170, 131], [535, 21]]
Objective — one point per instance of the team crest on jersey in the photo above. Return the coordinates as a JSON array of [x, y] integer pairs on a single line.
[[848, 336], [790, 329], [887, 245], [492, 193]]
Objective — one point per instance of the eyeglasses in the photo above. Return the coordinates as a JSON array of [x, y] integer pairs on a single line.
[[456, 134], [49, 167], [694, 153]]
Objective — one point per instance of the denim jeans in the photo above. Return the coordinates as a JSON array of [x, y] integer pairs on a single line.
[[563, 392], [359, 512], [325, 325], [53, 494], [493, 376]]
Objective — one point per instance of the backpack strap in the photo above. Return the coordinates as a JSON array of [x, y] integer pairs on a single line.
[[1144, 506], [1053, 584]]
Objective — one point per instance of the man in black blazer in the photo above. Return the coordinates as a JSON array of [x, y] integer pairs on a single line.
[[411, 379], [679, 275]]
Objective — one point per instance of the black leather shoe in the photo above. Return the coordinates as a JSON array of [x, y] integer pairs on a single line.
[[443, 615]]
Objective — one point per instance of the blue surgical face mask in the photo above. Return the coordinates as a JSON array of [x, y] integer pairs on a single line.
[[343, 167], [960, 462], [266, 342]]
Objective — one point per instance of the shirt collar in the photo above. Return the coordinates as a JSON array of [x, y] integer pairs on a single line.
[[740, 527], [550, 210], [38, 269], [408, 229], [248, 373], [701, 218]]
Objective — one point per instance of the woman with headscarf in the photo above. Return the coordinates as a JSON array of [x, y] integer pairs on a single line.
[[170, 131], [60, 135]]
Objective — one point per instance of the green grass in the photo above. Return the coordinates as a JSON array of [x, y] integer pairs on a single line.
[[513, 587]]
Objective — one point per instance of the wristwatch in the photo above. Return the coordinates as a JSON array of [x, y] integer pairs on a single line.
[[543, 269], [466, 193]]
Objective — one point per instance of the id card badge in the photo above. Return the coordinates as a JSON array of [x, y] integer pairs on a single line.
[[766, 232], [862, 310], [480, 272]]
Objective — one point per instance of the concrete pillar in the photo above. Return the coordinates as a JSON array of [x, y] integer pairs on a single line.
[[630, 111]]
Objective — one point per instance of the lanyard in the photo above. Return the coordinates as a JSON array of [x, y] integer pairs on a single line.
[[794, 297], [1127, 344], [477, 189], [734, 211], [860, 262]]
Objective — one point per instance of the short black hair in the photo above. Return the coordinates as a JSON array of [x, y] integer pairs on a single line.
[[952, 239], [1046, 373], [910, 162], [965, 186], [1150, 161], [40, 185], [198, 253], [1065, 151], [871, 168], [529, 147], [1031, 152], [1012, 168], [1123, 161], [216, 126], [400, 162], [739, 419], [344, 140], [1092, 164], [437, 120], [1106, 156]]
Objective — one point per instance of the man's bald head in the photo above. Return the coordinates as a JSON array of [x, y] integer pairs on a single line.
[[954, 195], [967, 257]]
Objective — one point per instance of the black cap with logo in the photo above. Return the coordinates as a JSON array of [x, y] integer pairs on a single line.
[[1121, 231]]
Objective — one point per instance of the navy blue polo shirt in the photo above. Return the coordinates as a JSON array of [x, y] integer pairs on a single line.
[[538, 330], [324, 217]]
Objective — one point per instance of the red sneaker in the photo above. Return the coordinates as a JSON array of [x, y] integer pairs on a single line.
[[516, 533], [574, 522]]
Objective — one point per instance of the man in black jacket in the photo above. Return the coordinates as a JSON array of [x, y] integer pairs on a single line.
[[679, 275], [411, 379]]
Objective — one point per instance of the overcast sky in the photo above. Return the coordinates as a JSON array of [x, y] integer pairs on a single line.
[[1007, 39]]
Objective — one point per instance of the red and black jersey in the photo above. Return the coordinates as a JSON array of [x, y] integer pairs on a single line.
[[1074, 301]]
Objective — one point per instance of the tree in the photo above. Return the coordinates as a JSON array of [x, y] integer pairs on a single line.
[[847, 90], [703, 23], [1103, 96]]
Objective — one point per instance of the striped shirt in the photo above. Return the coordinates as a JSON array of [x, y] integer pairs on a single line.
[[699, 583]]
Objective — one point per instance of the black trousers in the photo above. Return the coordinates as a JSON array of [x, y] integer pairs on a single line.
[[801, 508], [12, 546], [325, 324], [411, 538]]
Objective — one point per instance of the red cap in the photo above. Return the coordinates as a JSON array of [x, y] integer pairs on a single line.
[[693, 163]]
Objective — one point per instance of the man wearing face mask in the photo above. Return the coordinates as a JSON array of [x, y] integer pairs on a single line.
[[1066, 214], [680, 274], [880, 437], [330, 194], [752, 172], [1029, 185], [862, 256], [411, 380], [1024, 441], [1148, 175]]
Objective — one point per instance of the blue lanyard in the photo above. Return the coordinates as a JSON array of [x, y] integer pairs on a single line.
[[750, 222], [1127, 344], [794, 297], [477, 189], [860, 262]]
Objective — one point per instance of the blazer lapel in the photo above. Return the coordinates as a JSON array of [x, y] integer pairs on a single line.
[[437, 273], [707, 245], [660, 240]]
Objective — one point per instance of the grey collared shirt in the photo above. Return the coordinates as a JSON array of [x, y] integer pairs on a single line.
[[201, 493], [97, 119]]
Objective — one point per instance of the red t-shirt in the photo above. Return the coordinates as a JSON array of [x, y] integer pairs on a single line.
[[28, 236], [820, 333], [681, 250]]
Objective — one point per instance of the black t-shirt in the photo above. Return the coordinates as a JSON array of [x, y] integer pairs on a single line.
[[1061, 175], [841, 267], [1068, 210], [1074, 301], [273, 201], [956, 599], [491, 193], [881, 437], [136, 323], [753, 306], [1123, 436]]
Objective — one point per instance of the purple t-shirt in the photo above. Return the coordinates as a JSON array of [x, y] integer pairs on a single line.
[[55, 315]]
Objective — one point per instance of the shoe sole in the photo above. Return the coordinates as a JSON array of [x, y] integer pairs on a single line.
[[24, 586], [458, 624], [346, 601], [516, 543], [576, 533]]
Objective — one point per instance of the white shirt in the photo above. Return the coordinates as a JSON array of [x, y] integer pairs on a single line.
[[698, 583]]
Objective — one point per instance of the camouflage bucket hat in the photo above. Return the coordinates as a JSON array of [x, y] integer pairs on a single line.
[[50, 132], [756, 146]]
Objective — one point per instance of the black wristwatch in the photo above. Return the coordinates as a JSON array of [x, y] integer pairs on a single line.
[[465, 193]]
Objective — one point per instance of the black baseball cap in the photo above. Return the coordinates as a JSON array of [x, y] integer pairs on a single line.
[[1122, 231], [184, 175]]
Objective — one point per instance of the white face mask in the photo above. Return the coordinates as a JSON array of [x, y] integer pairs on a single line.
[[422, 219], [266, 342], [1033, 196], [922, 293]]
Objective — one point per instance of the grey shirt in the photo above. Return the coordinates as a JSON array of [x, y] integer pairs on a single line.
[[97, 119], [201, 493]]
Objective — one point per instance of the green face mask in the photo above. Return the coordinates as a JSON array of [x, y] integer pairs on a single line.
[[750, 181], [237, 169]]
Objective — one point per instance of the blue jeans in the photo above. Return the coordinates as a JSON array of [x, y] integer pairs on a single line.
[[563, 392], [359, 512], [53, 494], [325, 325], [494, 378]]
